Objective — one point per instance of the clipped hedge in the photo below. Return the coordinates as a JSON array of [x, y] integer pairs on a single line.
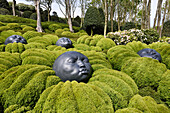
[[30, 34], [15, 47], [74, 97], [144, 71], [136, 46], [129, 110], [23, 84], [163, 88], [147, 105], [14, 26], [54, 27], [35, 45]]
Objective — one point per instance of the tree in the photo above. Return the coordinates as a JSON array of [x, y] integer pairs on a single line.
[[13, 7], [159, 14], [144, 17], [4, 4], [37, 8], [92, 21], [47, 5], [148, 14], [73, 7], [106, 16]]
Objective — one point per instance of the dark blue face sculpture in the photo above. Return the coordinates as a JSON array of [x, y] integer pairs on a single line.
[[71, 66], [64, 42], [151, 53], [15, 38]]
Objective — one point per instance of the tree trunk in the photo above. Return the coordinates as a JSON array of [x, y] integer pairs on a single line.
[[82, 13], [111, 15], [39, 27], [125, 10], [143, 26], [168, 14], [69, 15], [159, 15], [13, 7], [132, 8], [166, 4], [148, 15], [106, 17], [118, 16], [136, 8]]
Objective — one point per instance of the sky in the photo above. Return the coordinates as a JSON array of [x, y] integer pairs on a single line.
[[78, 11]]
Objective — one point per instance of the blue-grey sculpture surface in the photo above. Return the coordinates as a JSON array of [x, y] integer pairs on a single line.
[[15, 38], [71, 66], [151, 53], [64, 42]]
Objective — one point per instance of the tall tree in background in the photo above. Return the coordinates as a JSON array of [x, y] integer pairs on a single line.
[[144, 14], [163, 20], [148, 14], [13, 7], [73, 7], [37, 8], [168, 13], [106, 16], [111, 14], [82, 5], [159, 14], [47, 4]]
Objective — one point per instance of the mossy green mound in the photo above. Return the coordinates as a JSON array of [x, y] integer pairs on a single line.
[[157, 45], [165, 54], [15, 47], [35, 45], [128, 110], [164, 88], [144, 71], [73, 97], [17, 109], [55, 48], [30, 34], [137, 46], [147, 105], [8, 60], [118, 55], [39, 56], [23, 84]]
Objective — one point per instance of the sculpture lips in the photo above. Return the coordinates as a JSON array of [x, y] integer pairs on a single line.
[[83, 71]]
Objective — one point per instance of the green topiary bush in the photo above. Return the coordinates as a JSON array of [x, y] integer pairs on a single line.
[[128, 110], [28, 28], [30, 34], [14, 26], [4, 28], [23, 84], [147, 104], [74, 97], [136, 46], [2, 48], [15, 47], [157, 45], [163, 88], [35, 45], [82, 47], [6, 34], [4, 11], [105, 44], [16, 109], [58, 32], [54, 27], [145, 71], [26, 14]]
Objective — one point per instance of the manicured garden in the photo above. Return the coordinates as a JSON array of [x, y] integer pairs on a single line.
[[121, 82]]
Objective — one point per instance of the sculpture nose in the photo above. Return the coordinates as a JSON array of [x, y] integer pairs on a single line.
[[80, 63]]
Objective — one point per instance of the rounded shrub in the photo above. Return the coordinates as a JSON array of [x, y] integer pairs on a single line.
[[4, 11], [81, 40], [38, 56], [128, 110], [163, 88], [66, 34], [30, 34], [105, 44], [118, 55], [14, 47], [1, 23], [54, 27], [23, 84], [35, 45], [16, 108], [128, 25], [14, 26], [55, 48], [4, 28], [136, 46], [58, 32], [157, 45], [6, 34], [26, 14], [145, 71], [147, 104], [82, 47], [165, 54], [33, 16], [2, 48], [74, 97], [28, 28]]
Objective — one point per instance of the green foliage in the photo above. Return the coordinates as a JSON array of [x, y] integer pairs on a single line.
[[115, 26], [74, 97], [163, 88], [1, 23], [118, 55], [14, 47], [128, 110], [38, 56], [30, 34], [33, 16], [82, 39], [166, 29], [82, 47], [128, 25], [35, 45], [58, 32], [105, 44], [26, 14], [4, 11], [164, 51], [28, 28], [3, 28], [14, 26], [92, 21], [151, 36], [6, 34], [16, 109], [54, 27], [136, 46], [147, 104], [2, 48], [4, 4], [157, 45], [23, 85], [144, 71]]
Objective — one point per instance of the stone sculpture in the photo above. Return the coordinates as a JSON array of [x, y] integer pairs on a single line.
[[64, 42], [15, 38]]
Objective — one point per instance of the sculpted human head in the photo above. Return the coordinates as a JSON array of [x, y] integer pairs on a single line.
[[151, 53], [15, 38], [64, 42], [71, 66]]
